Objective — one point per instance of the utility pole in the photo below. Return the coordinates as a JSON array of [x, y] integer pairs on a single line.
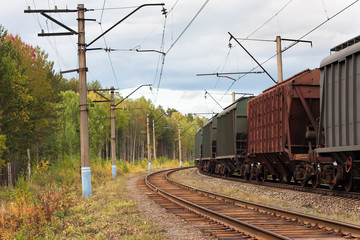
[[148, 141], [233, 96], [113, 138], [278, 52], [154, 141], [84, 127], [112, 123], [180, 146], [82, 46], [279, 59]]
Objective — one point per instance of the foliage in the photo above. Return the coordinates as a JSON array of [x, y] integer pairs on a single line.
[[51, 206], [2, 149], [40, 111]]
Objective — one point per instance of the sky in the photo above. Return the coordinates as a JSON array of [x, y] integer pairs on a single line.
[[195, 37]]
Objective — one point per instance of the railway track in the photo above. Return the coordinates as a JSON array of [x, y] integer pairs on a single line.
[[322, 191], [229, 218]]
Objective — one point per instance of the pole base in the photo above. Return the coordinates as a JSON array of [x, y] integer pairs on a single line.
[[180, 163], [86, 181], [149, 166], [113, 167]]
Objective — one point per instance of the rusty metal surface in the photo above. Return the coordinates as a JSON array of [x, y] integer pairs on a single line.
[[279, 119], [252, 219]]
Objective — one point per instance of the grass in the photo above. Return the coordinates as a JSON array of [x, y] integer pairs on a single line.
[[108, 214], [51, 205]]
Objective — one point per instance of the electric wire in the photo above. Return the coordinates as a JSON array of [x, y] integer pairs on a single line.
[[109, 57], [260, 27], [172, 8], [52, 26], [326, 13], [252, 33], [172, 45], [54, 48], [37, 15], [102, 11], [192, 20], [266, 22], [217, 70], [162, 58], [294, 43]]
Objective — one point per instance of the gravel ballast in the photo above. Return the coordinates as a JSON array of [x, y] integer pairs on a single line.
[[172, 227], [336, 208]]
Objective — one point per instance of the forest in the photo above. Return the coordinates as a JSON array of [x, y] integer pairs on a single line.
[[39, 117]]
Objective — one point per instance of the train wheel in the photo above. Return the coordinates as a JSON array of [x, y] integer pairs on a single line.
[[288, 179], [296, 181], [315, 180], [348, 182], [304, 182], [274, 177], [332, 186], [258, 177]]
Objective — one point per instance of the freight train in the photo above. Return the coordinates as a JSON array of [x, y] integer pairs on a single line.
[[304, 130]]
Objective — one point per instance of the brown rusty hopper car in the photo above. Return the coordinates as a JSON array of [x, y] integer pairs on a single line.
[[282, 125]]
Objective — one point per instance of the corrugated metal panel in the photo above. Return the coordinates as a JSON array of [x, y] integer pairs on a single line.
[[280, 108], [225, 143], [198, 141], [241, 116], [232, 126], [340, 97], [207, 139]]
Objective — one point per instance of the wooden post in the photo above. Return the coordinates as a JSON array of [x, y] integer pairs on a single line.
[[29, 165]]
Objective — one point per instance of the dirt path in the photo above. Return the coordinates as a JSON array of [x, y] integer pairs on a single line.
[[172, 227]]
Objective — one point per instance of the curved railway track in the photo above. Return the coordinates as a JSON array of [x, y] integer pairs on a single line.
[[227, 217], [322, 191]]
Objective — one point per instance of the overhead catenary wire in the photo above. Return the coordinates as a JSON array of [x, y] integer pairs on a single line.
[[102, 11], [177, 39], [162, 58], [108, 52], [294, 43], [54, 48], [109, 57], [252, 33], [192, 20], [266, 22]]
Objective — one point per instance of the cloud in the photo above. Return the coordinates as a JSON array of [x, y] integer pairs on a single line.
[[202, 49]]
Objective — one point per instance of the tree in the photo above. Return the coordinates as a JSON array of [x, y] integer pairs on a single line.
[[68, 123]]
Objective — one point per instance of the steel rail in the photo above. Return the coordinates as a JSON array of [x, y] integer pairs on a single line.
[[339, 227], [233, 223], [292, 186]]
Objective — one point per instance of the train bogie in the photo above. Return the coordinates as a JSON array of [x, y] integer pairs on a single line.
[[305, 129], [340, 116], [280, 121], [231, 135]]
